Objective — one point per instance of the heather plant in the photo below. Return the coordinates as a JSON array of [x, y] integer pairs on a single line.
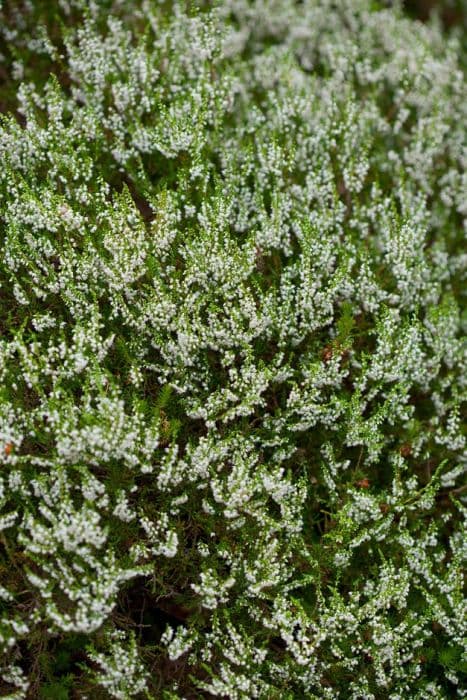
[[232, 357]]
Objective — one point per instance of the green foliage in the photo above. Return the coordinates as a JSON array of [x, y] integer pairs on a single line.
[[232, 358]]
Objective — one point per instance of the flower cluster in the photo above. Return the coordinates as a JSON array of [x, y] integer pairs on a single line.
[[232, 368]]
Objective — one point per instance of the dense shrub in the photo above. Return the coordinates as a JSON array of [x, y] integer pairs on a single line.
[[231, 357]]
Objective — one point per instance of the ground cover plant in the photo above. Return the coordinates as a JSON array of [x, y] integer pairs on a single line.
[[232, 361]]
